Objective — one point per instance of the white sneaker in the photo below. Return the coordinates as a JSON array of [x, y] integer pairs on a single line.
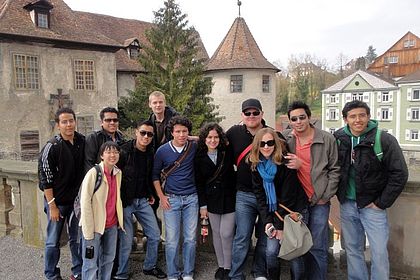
[[261, 278], [189, 278]]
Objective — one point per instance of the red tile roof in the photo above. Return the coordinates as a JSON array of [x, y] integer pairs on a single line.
[[239, 50]]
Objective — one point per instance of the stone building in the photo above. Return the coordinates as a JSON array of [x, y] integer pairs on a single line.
[[240, 71]]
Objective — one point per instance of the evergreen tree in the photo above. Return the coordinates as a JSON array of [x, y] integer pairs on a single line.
[[172, 65], [370, 55]]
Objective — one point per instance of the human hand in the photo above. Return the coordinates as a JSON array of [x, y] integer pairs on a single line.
[[279, 234], [293, 162], [270, 230], [373, 206], [164, 202], [203, 213], [55, 213], [151, 200]]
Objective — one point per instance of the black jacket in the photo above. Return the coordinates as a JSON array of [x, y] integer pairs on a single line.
[[62, 168], [93, 142], [169, 113], [377, 181], [129, 183], [220, 194], [289, 192]]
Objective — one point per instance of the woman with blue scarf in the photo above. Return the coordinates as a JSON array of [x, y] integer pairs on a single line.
[[274, 183]]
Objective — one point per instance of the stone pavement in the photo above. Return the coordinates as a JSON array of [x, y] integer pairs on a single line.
[[21, 262]]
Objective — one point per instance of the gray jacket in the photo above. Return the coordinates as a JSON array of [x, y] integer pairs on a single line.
[[325, 171]]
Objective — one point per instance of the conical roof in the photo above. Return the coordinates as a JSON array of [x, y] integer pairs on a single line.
[[239, 50]]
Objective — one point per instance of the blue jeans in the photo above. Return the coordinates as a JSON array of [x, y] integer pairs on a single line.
[[184, 210], [145, 216], [52, 242], [354, 223], [104, 247], [317, 259], [245, 214]]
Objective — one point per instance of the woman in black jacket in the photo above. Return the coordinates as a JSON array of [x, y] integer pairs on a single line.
[[216, 192], [274, 183]]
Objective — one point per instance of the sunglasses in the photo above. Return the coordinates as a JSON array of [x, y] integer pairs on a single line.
[[269, 143], [144, 133], [255, 113], [111, 120], [300, 117]]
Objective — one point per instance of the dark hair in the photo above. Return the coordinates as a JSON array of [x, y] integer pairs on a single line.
[[108, 110], [204, 132], [108, 145], [181, 120], [64, 110], [144, 122], [353, 105], [299, 105]]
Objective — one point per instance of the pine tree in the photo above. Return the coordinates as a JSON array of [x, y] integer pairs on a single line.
[[370, 55], [172, 65]]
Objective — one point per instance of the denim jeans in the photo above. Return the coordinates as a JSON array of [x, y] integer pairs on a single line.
[[354, 223], [145, 216], [52, 242], [104, 247], [183, 211], [317, 259], [245, 215]]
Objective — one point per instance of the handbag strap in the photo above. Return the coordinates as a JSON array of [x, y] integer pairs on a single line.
[[296, 216], [244, 152], [217, 172], [167, 171]]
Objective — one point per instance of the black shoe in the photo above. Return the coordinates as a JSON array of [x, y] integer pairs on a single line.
[[156, 272], [219, 273], [226, 274]]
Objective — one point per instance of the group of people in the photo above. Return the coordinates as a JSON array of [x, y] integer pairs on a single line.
[[235, 179]]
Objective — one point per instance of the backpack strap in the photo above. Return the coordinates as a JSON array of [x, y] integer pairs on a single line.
[[377, 146], [243, 154], [99, 176], [164, 174]]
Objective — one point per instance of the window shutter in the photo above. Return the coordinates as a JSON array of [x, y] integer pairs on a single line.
[[409, 114], [327, 98], [327, 115], [348, 97], [366, 96], [337, 99], [379, 96], [390, 113], [336, 114], [378, 114], [391, 96], [407, 134], [409, 90]]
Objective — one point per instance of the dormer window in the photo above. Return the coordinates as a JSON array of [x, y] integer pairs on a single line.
[[40, 13], [134, 49]]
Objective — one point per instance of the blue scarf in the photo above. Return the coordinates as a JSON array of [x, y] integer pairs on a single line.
[[267, 170]]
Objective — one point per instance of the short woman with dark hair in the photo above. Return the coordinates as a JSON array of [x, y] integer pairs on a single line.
[[274, 183], [101, 213], [216, 192]]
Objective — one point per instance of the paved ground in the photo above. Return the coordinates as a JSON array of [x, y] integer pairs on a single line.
[[20, 262]]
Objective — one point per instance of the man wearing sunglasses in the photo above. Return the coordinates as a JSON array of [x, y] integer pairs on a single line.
[[109, 132], [313, 153], [240, 137], [136, 164]]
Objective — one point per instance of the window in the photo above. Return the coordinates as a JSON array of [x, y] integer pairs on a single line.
[[333, 98], [332, 114], [85, 124], [332, 130], [409, 43], [357, 96], [384, 114], [26, 69], [416, 94], [265, 83], [393, 59], [42, 20], [84, 74], [134, 49], [385, 96], [414, 134], [29, 144], [415, 114], [236, 83]]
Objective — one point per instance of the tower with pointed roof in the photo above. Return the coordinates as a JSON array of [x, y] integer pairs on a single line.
[[240, 71]]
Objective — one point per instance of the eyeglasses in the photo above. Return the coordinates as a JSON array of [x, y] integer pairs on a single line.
[[111, 120], [269, 143], [255, 113], [111, 152], [144, 133], [300, 117]]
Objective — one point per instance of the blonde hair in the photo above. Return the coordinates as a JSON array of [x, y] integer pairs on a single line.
[[157, 93], [276, 156]]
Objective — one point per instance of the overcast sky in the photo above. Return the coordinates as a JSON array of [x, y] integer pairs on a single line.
[[324, 28]]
